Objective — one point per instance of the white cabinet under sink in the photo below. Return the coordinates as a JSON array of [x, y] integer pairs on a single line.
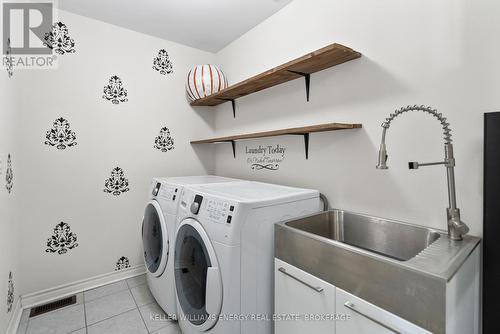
[[366, 318], [305, 298], [299, 294], [307, 304]]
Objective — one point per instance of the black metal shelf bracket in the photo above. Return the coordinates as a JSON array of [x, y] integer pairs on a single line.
[[233, 144], [233, 104], [307, 77], [306, 142]]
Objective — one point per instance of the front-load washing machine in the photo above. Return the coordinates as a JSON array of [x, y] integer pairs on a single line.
[[224, 254], [158, 235]]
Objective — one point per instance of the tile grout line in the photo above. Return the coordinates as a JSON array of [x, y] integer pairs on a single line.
[[84, 312], [115, 292], [95, 323], [153, 302], [90, 325], [129, 289], [138, 309], [84, 315]]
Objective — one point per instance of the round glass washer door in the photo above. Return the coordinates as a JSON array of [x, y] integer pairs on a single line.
[[197, 276], [155, 239]]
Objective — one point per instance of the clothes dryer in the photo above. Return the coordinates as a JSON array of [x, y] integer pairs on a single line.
[[224, 253]]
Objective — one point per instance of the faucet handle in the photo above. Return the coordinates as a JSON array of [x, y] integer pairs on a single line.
[[417, 165], [463, 228], [456, 227]]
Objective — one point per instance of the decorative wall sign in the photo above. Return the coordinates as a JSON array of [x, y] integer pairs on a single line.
[[9, 175], [61, 136], [114, 91], [164, 141], [162, 63], [122, 263], [59, 40], [62, 240], [265, 157], [204, 80], [10, 293], [117, 183], [9, 62]]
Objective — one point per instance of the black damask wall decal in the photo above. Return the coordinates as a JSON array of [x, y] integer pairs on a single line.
[[122, 263], [9, 175], [10, 293], [117, 184], [59, 40], [62, 240], [114, 91], [164, 141], [61, 136], [9, 62], [162, 63]]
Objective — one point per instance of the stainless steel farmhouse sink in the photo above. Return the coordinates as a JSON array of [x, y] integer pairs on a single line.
[[381, 236], [403, 268]]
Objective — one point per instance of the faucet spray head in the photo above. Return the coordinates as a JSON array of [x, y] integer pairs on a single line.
[[382, 157]]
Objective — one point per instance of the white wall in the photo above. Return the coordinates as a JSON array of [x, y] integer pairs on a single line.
[[67, 185], [9, 261], [438, 53]]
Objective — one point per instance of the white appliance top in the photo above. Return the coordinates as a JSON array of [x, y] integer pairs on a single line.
[[199, 179], [256, 192]]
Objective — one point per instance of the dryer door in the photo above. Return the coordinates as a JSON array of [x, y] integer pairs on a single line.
[[155, 239], [197, 276]]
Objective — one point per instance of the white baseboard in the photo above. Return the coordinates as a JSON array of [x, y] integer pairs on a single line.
[[44, 296], [16, 318]]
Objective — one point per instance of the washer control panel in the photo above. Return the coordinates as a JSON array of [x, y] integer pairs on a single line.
[[219, 211], [166, 191]]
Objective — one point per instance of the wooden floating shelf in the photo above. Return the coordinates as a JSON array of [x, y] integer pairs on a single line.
[[316, 61], [283, 132], [303, 131]]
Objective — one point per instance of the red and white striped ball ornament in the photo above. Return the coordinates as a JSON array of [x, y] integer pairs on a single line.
[[204, 80]]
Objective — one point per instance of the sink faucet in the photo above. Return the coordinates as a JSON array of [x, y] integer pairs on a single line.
[[456, 228]]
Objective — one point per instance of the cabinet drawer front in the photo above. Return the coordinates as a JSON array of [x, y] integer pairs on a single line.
[[366, 318], [308, 302]]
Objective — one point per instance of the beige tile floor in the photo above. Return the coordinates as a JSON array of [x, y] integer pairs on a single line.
[[124, 307]]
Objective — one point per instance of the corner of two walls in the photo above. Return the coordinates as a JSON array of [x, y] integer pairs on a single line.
[[90, 135], [404, 63]]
